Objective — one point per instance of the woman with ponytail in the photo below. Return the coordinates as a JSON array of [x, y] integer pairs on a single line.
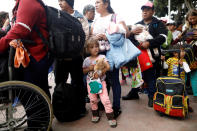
[[98, 29]]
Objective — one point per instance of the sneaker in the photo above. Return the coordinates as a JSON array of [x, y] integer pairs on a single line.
[[112, 123], [95, 119], [131, 97], [123, 82]]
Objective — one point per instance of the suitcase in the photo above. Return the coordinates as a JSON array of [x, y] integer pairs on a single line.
[[170, 97]]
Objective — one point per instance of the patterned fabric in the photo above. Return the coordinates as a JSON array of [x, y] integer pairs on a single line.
[[173, 68], [88, 62]]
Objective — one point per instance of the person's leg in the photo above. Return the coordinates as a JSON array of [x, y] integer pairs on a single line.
[[136, 82], [94, 105], [193, 78], [76, 72], [105, 98], [124, 71], [116, 88], [36, 73], [132, 95], [107, 104], [93, 99], [61, 71], [149, 77]]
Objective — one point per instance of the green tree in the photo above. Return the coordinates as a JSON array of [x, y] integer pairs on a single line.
[[179, 7]]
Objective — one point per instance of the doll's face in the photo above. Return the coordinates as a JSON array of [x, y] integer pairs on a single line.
[[192, 20]]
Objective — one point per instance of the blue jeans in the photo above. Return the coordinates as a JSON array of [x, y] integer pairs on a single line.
[[116, 88], [149, 76]]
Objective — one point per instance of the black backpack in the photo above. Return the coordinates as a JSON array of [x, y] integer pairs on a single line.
[[66, 35], [65, 103]]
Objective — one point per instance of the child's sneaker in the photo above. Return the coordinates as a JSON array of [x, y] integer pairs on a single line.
[[95, 116], [112, 123], [95, 119]]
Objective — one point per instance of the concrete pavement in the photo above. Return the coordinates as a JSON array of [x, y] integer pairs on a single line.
[[136, 116]]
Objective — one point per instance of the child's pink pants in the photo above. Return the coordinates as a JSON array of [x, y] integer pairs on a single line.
[[103, 96]]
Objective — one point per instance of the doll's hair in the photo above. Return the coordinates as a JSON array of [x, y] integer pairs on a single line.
[[91, 41]]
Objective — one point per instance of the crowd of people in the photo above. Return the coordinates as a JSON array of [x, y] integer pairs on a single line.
[[82, 68]]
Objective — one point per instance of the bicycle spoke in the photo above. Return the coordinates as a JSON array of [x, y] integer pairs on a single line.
[[29, 106]]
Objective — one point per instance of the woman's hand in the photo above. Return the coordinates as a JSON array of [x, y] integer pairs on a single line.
[[145, 45], [101, 37]]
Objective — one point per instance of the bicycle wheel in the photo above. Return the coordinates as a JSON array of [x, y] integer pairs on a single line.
[[24, 105]]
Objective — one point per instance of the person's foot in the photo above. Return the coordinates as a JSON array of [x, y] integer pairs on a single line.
[[123, 82], [112, 123], [150, 102], [95, 119], [117, 112], [131, 97], [190, 109]]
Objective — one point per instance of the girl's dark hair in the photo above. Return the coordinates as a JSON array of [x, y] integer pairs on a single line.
[[109, 8], [3, 15]]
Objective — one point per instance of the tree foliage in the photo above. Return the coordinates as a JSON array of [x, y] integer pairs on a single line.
[[179, 7]]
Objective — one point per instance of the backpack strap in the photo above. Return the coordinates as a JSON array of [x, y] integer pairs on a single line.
[[45, 41]]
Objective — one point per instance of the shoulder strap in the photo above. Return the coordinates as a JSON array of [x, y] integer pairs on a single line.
[[113, 18], [37, 29]]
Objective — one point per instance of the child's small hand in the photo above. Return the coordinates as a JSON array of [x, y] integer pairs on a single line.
[[96, 75], [91, 67]]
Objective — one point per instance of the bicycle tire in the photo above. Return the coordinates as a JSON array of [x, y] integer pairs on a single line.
[[20, 91]]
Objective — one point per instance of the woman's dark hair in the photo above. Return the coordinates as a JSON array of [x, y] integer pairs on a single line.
[[3, 16], [109, 8]]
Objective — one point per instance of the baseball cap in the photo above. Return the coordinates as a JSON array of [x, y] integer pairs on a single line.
[[170, 23], [148, 5]]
